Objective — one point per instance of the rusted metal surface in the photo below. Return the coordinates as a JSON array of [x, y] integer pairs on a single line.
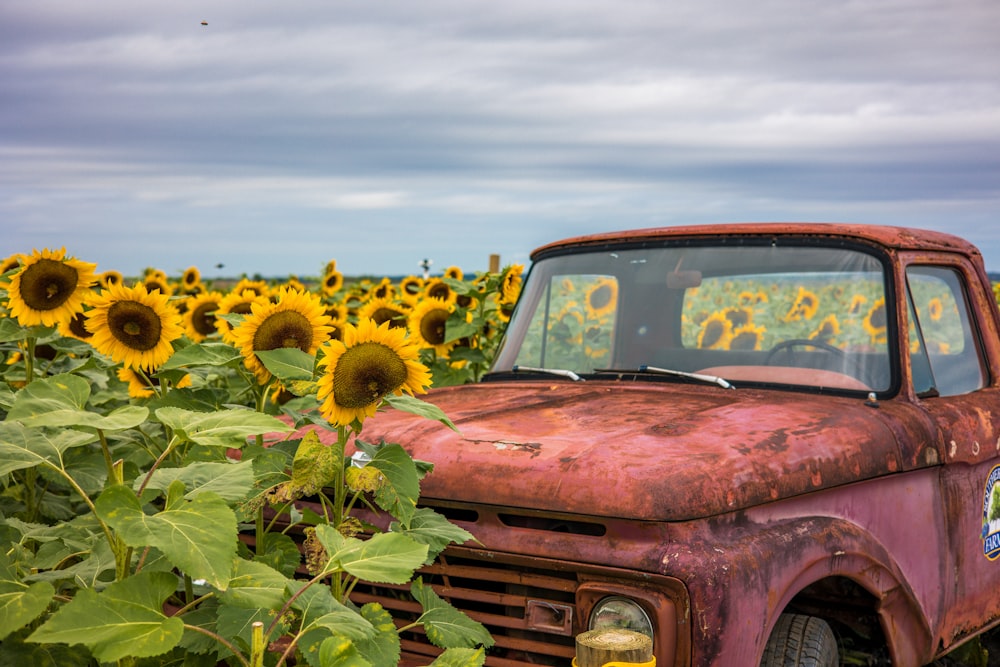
[[660, 452]]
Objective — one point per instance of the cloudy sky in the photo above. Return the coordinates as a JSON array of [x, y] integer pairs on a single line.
[[272, 137]]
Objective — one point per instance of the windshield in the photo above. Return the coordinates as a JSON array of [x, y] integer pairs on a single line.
[[750, 312]]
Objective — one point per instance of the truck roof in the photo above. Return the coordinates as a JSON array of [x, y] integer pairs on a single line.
[[899, 238]]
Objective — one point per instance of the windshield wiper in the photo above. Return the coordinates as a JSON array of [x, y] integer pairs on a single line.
[[548, 371], [701, 377]]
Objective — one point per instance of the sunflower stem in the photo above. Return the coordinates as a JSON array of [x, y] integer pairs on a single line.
[[29, 359]]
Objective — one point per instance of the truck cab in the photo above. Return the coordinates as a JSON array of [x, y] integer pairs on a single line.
[[760, 444]]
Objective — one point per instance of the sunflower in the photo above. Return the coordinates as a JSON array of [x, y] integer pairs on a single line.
[[935, 309], [134, 326], [454, 273], [11, 263], [805, 306], [191, 278], [296, 319], [857, 301], [199, 317], [827, 329], [747, 337], [49, 288], [510, 284], [143, 385], [373, 361], [436, 288], [602, 298], [156, 281], [258, 287], [875, 322], [410, 288], [109, 278], [385, 310], [716, 332], [236, 303], [738, 316], [76, 327], [332, 282], [427, 325], [384, 290]]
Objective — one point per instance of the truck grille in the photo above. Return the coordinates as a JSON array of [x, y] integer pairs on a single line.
[[529, 610]]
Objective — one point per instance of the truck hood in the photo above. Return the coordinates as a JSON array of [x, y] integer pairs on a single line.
[[645, 451]]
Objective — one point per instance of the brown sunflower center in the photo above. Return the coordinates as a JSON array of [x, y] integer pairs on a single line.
[[77, 325], [439, 291], [135, 325], [286, 328], [203, 318], [391, 315], [432, 326], [365, 373], [47, 284], [600, 297]]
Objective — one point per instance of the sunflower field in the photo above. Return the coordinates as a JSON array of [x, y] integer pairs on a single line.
[[152, 460]]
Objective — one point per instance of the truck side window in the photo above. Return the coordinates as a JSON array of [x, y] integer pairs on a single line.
[[944, 351]]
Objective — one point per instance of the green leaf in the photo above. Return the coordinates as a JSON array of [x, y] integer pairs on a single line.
[[383, 648], [323, 615], [458, 330], [446, 626], [433, 529], [20, 604], [10, 330], [255, 585], [231, 481], [22, 447], [399, 494], [203, 354], [280, 552], [419, 407], [126, 619], [224, 428], [339, 651], [61, 401], [198, 536], [385, 558], [461, 657], [288, 363]]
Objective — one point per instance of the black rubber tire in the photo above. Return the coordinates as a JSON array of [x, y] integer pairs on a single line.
[[801, 641]]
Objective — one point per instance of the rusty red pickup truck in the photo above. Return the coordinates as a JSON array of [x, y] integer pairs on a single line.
[[759, 444]]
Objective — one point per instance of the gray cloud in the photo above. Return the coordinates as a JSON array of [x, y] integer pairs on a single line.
[[275, 138]]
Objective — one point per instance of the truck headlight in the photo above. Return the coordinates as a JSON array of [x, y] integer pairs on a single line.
[[616, 612]]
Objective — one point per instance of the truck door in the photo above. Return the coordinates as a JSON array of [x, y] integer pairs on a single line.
[[952, 383]]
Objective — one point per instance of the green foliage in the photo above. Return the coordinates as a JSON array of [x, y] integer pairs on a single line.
[[153, 531]]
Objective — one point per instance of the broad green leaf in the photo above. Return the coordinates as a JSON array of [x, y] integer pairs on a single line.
[[385, 558], [458, 330], [419, 407], [339, 651], [10, 330], [225, 428], [198, 536], [447, 627], [288, 363], [43, 655], [461, 657], [324, 613], [203, 354], [315, 465], [237, 622], [120, 419], [231, 481], [51, 394], [22, 447], [433, 529], [126, 619], [20, 603], [383, 648], [399, 495], [255, 585]]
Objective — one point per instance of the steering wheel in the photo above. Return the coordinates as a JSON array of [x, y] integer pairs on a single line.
[[855, 367]]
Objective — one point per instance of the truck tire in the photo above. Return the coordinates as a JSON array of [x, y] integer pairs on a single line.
[[801, 641]]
